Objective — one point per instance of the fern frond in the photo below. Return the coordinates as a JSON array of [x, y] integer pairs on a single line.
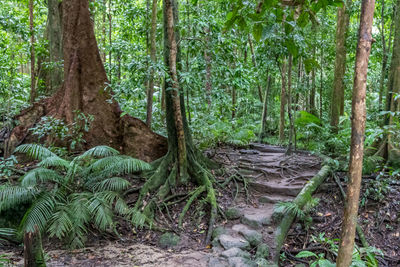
[[35, 151], [39, 213], [111, 184], [100, 151], [13, 196], [289, 208], [101, 212], [138, 219], [38, 175], [60, 221], [55, 161], [104, 163], [126, 165], [7, 232], [121, 207]]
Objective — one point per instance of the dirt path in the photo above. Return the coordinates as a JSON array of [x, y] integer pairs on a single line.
[[245, 239]]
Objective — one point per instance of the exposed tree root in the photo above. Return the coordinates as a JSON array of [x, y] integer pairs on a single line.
[[159, 191]]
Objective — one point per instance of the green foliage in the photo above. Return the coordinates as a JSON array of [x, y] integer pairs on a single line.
[[293, 208], [66, 197], [376, 190], [365, 257], [53, 130], [6, 166]]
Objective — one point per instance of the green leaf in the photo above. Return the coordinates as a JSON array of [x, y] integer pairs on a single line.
[[257, 31], [303, 19], [306, 254], [35, 151]]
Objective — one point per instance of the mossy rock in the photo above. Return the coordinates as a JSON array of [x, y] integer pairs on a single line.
[[261, 262], [262, 251], [218, 231], [169, 240], [233, 213]]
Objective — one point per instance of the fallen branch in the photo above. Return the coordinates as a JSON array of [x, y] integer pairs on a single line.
[[300, 201]]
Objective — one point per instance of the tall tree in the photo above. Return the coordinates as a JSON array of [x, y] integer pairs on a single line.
[[150, 91], [84, 89], [183, 163], [342, 26], [283, 102], [393, 94], [54, 35], [32, 33], [365, 41]]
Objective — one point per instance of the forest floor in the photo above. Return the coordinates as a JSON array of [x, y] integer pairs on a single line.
[[270, 176]]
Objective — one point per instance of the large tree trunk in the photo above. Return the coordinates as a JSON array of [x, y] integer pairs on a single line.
[[340, 65], [54, 35], [357, 134], [150, 91], [85, 89], [183, 163]]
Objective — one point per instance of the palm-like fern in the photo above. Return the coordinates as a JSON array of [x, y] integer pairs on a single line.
[[66, 196]]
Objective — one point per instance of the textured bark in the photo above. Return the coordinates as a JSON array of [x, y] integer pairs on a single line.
[[283, 103], [265, 109], [313, 109], [207, 59], [321, 83], [85, 89], [150, 91], [393, 92], [337, 104], [289, 106], [175, 90], [253, 59], [33, 250], [33, 74], [54, 33], [357, 134]]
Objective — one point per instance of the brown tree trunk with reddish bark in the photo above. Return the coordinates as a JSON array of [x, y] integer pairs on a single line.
[[365, 41], [85, 89]]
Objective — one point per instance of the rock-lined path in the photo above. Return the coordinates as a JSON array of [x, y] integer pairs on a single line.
[[248, 238]]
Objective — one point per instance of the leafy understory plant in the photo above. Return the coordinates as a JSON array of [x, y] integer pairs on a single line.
[[65, 197]]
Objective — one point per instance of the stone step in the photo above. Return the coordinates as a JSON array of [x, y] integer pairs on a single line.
[[274, 188], [257, 217], [274, 198], [267, 148]]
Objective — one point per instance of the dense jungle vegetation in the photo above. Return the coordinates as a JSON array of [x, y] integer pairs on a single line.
[[110, 110]]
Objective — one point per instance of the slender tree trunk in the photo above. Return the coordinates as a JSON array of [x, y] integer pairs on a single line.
[[337, 103], [104, 38], [207, 59], [175, 90], [265, 109], [321, 83], [110, 39], [233, 102], [253, 59], [283, 103], [393, 91], [365, 41], [313, 109], [384, 56], [289, 106], [33, 74], [150, 91]]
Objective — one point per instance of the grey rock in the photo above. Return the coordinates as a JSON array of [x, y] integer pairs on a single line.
[[235, 252], [250, 235], [262, 251], [228, 242], [256, 220], [218, 231], [240, 262], [233, 213], [169, 240], [261, 262], [217, 262]]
